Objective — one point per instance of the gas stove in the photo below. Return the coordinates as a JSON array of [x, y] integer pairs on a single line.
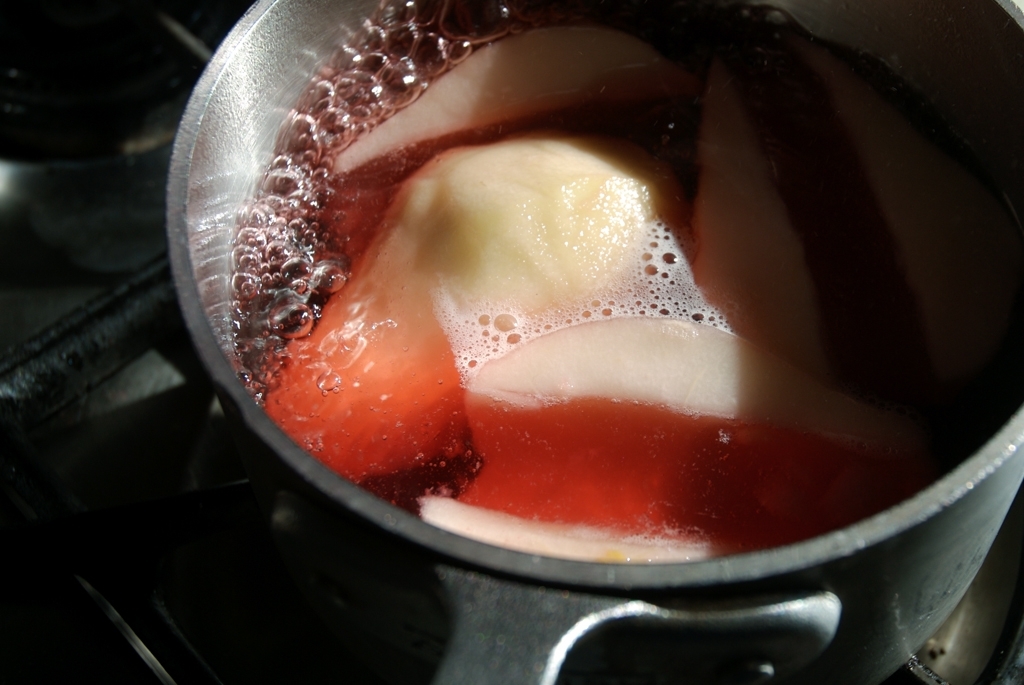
[[136, 552]]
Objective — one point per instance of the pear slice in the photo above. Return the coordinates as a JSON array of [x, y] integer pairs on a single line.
[[584, 543], [689, 368], [750, 261], [534, 221], [960, 248], [536, 71], [374, 385]]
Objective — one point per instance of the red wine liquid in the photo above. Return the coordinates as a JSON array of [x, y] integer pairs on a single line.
[[631, 468], [642, 470]]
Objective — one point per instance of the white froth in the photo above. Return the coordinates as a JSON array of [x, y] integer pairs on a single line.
[[659, 283]]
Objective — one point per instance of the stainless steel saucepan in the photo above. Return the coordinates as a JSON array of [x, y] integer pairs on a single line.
[[424, 605]]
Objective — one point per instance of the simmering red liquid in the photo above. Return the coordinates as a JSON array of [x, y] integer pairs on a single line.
[[399, 422], [646, 470], [623, 466]]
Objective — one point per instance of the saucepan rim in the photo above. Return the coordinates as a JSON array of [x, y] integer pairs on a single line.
[[953, 486]]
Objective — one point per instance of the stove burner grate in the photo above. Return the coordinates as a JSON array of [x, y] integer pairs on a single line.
[[101, 77]]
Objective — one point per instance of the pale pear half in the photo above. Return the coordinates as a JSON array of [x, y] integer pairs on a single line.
[[962, 252], [533, 72], [689, 368], [559, 540]]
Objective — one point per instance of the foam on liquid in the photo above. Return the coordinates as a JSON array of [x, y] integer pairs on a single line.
[[659, 284]]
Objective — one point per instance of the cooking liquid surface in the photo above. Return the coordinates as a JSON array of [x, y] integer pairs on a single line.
[[406, 431], [647, 471]]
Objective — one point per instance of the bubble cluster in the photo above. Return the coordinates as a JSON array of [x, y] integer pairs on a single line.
[[658, 282], [285, 262]]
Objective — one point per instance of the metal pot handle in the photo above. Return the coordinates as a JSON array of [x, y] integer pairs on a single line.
[[511, 633]]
